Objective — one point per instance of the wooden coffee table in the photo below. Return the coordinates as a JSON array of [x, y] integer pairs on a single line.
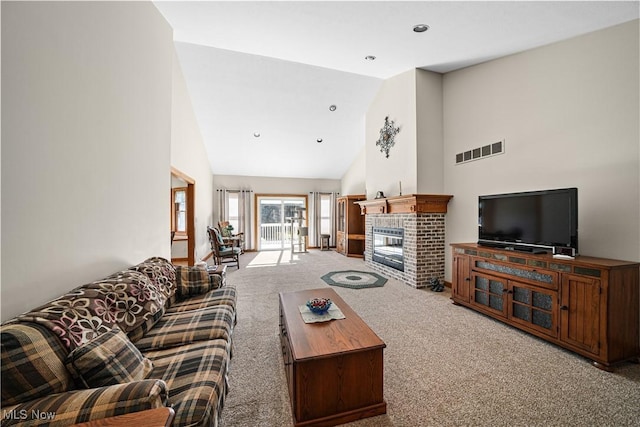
[[334, 369]]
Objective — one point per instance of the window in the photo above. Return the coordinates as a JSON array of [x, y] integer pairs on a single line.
[[233, 202], [325, 214], [179, 211]]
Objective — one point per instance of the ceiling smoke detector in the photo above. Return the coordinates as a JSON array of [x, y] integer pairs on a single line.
[[420, 28], [319, 140], [256, 134], [332, 107], [370, 58]]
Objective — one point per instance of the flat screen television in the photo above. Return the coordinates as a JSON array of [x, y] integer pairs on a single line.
[[531, 221]]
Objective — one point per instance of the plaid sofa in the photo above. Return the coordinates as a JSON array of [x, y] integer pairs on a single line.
[[150, 336]]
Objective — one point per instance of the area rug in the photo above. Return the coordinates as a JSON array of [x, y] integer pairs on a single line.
[[354, 279]]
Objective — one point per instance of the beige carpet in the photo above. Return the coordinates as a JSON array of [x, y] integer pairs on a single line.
[[444, 365]]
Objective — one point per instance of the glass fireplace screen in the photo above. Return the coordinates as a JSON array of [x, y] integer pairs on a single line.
[[388, 248]]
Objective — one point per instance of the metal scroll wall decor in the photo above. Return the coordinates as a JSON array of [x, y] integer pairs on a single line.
[[387, 136]]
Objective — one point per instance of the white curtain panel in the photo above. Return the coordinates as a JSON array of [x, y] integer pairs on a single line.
[[315, 214], [245, 212], [245, 221], [313, 218], [221, 206], [333, 239]]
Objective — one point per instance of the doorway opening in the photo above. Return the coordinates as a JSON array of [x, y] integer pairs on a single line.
[[274, 231], [183, 213]]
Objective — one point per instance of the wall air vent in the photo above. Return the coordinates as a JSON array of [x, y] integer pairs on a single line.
[[481, 152]]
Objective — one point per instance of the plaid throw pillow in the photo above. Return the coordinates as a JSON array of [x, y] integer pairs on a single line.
[[107, 360], [192, 281], [32, 363]]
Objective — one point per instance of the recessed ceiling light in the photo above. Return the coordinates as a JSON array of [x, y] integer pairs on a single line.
[[370, 58], [332, 108], [256, 134], [319, 140], [420, 28]]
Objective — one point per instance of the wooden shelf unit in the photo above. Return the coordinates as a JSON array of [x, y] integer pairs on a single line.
[[587, 305], [350, 234]]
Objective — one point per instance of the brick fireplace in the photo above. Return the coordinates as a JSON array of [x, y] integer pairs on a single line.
[[422, 218]]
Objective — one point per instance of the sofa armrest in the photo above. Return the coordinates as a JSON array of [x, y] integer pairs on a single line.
[[215, 280], [77, 406]]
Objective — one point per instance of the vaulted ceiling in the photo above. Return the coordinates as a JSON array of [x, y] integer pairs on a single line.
[[274, 68]]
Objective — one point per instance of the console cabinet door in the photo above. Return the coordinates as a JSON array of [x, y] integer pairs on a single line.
[[489, 293], [533, 307], [580, 312], [461, 280]]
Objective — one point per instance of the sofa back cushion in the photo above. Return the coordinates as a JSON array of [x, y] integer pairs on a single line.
[[106, 360], [137, 333], [32, 363], [127, 299]]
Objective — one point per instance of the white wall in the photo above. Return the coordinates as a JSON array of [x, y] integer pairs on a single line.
[[569, 115], [396, 99], [85, 144], [190, 157], [0, 169], [430, 137], [353, 181], [269, 185], [413, 100]]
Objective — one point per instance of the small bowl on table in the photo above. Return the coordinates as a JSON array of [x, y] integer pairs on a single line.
[[319, 305]]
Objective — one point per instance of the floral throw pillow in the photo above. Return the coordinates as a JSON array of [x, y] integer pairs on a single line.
[[107, 360], [130, 298], [161, 272], [76, 318]]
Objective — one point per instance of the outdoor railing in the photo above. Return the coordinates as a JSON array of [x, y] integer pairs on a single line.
[[272, 233]]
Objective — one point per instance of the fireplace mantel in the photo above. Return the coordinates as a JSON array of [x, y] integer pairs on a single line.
[[411, 203]]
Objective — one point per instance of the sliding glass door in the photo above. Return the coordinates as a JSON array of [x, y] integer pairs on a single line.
[[274, 229]]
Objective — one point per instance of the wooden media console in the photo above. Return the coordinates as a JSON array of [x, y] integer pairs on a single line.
[[587, 305]]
